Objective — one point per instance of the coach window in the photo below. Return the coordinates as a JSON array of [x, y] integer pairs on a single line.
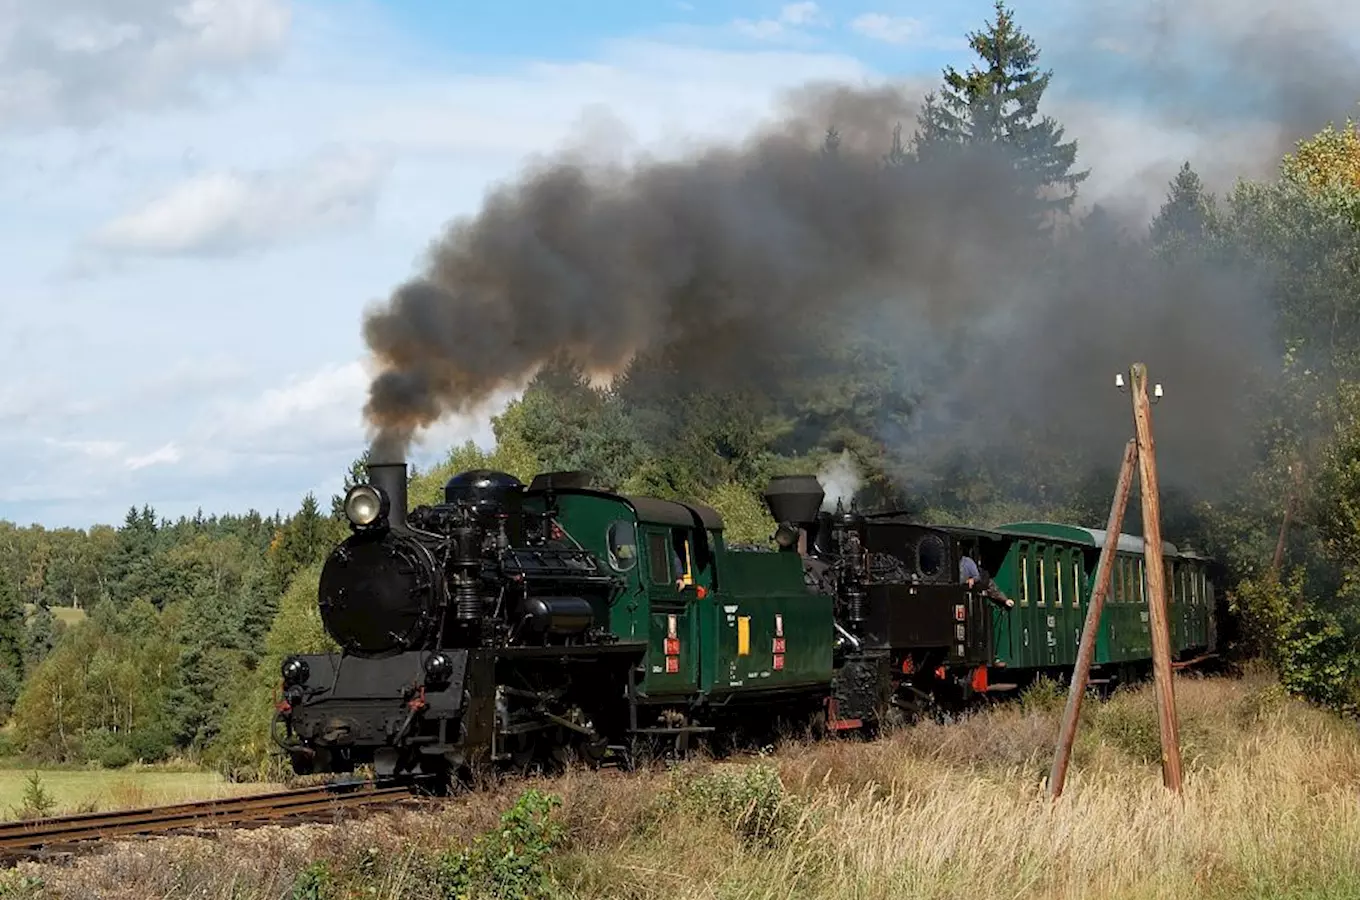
[[1142, 584], [622, 546], [1024, 574], [1076, 578], [1058, 575], [1043, 592]]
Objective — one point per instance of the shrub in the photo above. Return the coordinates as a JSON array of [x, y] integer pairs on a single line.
[[312, 883], [1315, 658], [38, 804], [751, 801], [508, 862], [1043, 695]]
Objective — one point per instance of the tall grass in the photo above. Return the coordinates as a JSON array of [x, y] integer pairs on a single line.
[[1271, 808]]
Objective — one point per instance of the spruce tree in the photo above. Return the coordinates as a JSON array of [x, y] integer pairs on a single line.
[[11, 623], [1185, 216], [997, 105], [897, 153], [831, 144], [40, 636], [357, 474]]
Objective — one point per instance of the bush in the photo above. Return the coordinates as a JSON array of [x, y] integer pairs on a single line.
[[150, 744], [1043, 695], [1314, 656], [751, 801], [1128, 721], [510, 861], [312, 883]]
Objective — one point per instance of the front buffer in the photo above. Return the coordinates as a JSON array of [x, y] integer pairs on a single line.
[[406, 714], [443, 713]]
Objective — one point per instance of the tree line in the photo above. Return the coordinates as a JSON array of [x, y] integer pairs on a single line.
[[158, 638]]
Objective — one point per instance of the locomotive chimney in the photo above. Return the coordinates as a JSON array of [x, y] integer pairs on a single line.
[[391, 479], [794, 499]]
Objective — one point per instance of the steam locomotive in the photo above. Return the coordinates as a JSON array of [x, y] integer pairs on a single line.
[[520, 626]]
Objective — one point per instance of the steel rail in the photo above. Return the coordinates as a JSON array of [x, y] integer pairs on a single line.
[[60, 830]]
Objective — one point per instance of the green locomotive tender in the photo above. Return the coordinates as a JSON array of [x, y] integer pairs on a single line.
[[512, 624]]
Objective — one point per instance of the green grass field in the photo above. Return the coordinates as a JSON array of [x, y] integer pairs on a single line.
[[68, 615], [95, 790], [65, 614]]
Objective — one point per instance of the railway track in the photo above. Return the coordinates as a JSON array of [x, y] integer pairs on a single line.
[[62, 835]]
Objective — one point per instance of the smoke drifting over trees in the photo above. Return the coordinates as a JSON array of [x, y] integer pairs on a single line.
[[758, 264]]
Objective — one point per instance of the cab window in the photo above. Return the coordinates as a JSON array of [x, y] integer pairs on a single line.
[[659, 558], [622, 542]]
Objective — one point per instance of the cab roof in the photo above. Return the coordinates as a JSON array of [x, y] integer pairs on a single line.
[[649, 510]]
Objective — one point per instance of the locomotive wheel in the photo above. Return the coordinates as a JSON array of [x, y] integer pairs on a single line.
[[592, 752], [523, 750]]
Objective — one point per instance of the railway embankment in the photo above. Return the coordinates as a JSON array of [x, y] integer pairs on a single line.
[[941, 810]]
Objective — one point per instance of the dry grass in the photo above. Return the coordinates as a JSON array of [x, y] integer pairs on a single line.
[[1271, 809]]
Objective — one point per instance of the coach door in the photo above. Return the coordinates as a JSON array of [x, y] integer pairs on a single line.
[[673, 580]]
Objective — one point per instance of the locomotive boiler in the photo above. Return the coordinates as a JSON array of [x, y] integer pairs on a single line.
[[469, 625]]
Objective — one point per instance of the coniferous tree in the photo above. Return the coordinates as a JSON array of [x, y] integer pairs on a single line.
[[11, 624], [306, 538], [40, 636], [831, 144], [996, 104], [1186, 215], [356, 474], [897, 153]]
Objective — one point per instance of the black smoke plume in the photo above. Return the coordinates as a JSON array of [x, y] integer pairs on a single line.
[[754, 254]]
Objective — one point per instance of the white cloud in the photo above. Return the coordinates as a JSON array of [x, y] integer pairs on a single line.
[[317, 406], [231, 212], [889, 29], [86, 61], [805, 13], [90, 449], [792, 19], [167, 454]]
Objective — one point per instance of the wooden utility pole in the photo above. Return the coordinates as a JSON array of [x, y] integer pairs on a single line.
[[1081, 672], [1156, 580]]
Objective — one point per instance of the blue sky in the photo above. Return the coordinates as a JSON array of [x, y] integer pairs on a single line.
[[199, 198]]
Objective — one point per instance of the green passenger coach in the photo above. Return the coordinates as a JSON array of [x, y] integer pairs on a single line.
[[1049, 570]]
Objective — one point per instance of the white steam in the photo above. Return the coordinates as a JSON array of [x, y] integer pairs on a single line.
[[840, 480]]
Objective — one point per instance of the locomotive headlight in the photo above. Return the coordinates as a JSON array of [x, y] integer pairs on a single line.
[[294, 670], [363, 505], [438, 668]]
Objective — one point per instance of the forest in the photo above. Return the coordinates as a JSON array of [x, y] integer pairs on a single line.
[[151, 639]]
